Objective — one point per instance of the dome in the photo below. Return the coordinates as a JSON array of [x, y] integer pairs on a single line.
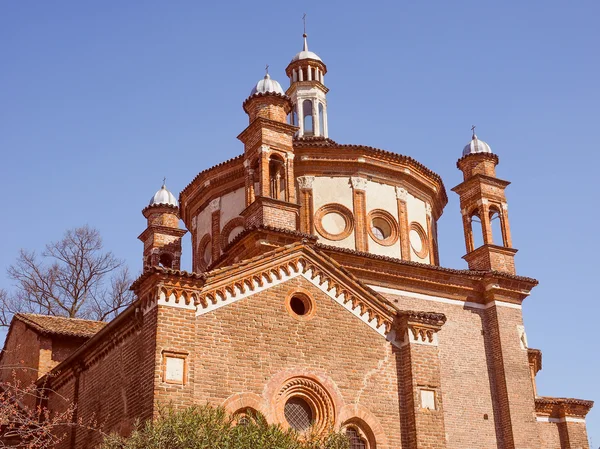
[[267, 85], [163, 196], [476, 146], [305, 54]]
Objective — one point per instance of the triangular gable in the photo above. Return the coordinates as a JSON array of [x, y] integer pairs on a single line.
[[230, 284]]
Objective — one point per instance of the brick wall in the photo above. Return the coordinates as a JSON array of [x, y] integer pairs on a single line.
[[113, 384], [241, 347], [464, 374], [21, 354]]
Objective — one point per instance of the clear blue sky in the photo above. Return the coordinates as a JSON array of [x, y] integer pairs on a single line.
[[99, 101]]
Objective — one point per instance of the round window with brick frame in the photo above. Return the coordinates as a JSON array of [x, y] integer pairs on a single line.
[[298, 413], [300, 304], [382, 227]]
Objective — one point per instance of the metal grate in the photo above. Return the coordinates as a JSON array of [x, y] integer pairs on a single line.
[[298, 414], [356, 442]]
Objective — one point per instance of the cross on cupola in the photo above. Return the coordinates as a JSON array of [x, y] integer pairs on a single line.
[[307, 91]]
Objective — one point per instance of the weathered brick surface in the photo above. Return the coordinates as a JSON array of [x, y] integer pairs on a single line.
[[241, 347], [113, 386]]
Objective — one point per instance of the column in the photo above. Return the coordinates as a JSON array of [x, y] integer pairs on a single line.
[[265, 180], [305, 183], [359, 201], [421, 393], [468, 231], [402, 198], [486, 226], [505, 226]]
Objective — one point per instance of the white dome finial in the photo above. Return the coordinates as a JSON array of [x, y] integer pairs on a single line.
[[476, 145], [163, 196]]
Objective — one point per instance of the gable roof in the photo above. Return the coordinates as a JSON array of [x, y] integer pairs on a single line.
[[60, 326]]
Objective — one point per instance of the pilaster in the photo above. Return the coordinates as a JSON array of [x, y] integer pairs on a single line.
[[215, 209], [507, 355], [359, 201], [305, 184], [419, 371], [402, 197]]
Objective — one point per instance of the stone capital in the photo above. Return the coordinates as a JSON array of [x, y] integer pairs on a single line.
[[265, 149], [305, 182], [358, 183], [401, 194], [215, 205], [428, 209]]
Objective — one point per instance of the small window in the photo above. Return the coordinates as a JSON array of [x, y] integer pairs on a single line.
[[300, 306], [298, 414]]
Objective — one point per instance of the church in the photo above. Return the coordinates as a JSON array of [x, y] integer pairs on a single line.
[[316, 299]]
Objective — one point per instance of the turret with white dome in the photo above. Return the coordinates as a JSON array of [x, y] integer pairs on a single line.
[[267, 85], [476, 146], [162, 237], [163, 196], [308, 93]]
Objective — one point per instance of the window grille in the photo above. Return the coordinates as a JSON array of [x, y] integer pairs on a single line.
[[298, 414], [356, 442]]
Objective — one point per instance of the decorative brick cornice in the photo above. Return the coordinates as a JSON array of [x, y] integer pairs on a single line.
[[168, 208], [157, 270], [478, 156], [535, 359], [419, 327], [274, 95], [312, 142], [562, 407]]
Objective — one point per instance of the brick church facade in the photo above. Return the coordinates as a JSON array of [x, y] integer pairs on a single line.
[[316, 298]]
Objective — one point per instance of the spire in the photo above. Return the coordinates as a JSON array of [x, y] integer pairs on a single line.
[[474, 135], [305, 48]]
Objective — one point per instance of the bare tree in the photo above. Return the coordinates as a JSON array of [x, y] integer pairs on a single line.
[[74, 277]]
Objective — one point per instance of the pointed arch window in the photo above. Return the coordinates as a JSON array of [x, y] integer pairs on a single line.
[[356, 440], [307, 116]]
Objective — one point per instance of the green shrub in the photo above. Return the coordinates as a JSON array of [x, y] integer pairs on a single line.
[[208, 427]]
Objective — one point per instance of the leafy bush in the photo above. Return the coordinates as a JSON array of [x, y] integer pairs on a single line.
[[208, 427]]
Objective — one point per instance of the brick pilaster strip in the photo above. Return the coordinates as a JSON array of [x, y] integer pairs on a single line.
[[215, 208], [420, 372], [305, 183], [359, 202], [402, 196]]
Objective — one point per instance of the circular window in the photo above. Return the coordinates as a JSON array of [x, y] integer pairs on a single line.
[[418, 240], [298, 413], [382, 227], [334, 222], [303, 403], [300, 305]]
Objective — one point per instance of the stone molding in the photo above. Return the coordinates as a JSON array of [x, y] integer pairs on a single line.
[[305, 182], [358, 183], [215, 205], [401, 193]]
